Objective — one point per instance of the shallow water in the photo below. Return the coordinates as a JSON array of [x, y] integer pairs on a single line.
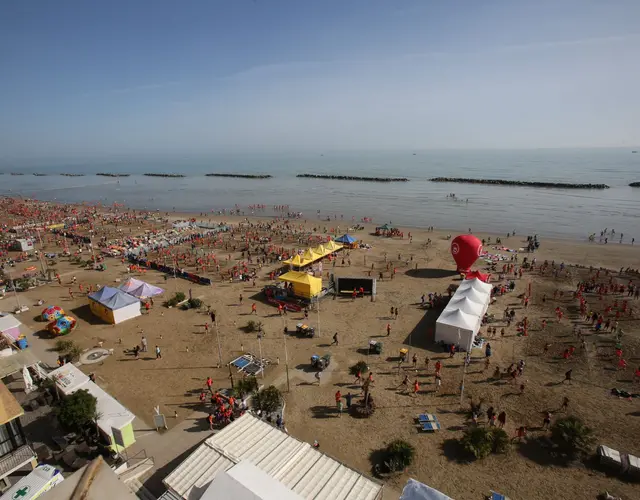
[[418, 203]]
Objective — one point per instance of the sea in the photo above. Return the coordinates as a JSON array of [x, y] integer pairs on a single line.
[[558, 213]]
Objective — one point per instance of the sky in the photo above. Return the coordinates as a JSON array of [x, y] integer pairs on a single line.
[[158, 77]]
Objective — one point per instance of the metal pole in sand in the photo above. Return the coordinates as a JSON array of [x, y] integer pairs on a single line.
[[286, 354], [260, 349], [219, 348], [464, 371]]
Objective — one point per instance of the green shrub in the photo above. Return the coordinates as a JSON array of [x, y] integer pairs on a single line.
[[175, 300], [360, 367], [245, 387], [64, 346], [482, 441], [253, 326], [77, 409], [195, 303], [572, 436], [268, 400], [399, 455]]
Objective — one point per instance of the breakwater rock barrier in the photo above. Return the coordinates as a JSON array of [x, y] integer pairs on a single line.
[[502, 182], [635, 184], [354, 178], [172, 176], [107, 174], [73, 175], [242, 176], [17, 173]]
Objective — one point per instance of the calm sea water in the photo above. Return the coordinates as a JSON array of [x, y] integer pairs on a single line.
[[418, 203]]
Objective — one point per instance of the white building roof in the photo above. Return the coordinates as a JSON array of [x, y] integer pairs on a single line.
[[245, 481], [8, 321], [296, 464], [69, 379]]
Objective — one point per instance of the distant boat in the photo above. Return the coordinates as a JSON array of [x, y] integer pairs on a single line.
[[634, 151], [414, 154]]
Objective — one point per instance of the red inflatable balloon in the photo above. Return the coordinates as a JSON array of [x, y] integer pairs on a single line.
[[465, 250]]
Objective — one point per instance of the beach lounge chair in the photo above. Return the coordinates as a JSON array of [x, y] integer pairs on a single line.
[[611, 458], [498, 496], [633, 466], [430, 426], [427, 417]]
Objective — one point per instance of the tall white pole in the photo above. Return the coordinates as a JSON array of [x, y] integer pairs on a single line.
[[260, 348], [286, 354], [318, 304], [215, 325], [464, 371]]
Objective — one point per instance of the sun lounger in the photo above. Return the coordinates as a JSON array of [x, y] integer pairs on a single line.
[[633, 466], [242, 361], [427, 417], [430, 426], [610, 457], [498, 496]]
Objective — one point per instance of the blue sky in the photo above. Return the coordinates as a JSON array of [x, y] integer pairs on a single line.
[[89, 78]]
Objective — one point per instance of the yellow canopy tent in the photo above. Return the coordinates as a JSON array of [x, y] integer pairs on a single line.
[[320, 250], [296, 261], [332, 246], [304, 285], [311, 255]]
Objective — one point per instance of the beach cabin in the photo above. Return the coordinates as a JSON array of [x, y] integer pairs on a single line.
[[115, 422], [10, 327], [23, 245], [114, 306], [15, 453]]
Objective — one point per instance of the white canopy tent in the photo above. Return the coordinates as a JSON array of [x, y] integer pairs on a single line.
[[476, 284], [415, 490], [466, 305], [457, 327]]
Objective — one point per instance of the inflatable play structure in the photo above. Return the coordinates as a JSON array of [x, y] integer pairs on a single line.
[[52, 313], [62, 326]]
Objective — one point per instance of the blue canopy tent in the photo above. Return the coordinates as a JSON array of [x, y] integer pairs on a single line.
[[113, 305], [347, 239]]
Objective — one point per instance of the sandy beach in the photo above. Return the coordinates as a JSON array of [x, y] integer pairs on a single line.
[[411, 268]]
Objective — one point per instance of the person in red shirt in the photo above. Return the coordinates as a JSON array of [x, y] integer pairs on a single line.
[[388, 329], [416, 387]]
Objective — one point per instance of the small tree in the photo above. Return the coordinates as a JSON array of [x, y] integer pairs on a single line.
[[399, 455], [481, 442], [572, 436], [77, 409], [64, 346], [268, 400], [359, 367], [245, 387]]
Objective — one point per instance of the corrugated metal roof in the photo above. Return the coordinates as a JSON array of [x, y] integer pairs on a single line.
[[300, 467]]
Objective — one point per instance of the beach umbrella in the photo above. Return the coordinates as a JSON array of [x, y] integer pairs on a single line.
[[62, 326], [465, 250], [52, 313]]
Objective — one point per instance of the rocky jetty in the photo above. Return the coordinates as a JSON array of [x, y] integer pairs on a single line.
[[73, 175], [40, 175], [635, 184], [17, 173], [502, 182], [354, 178], [242, 176], [106, 174], [173, 176]]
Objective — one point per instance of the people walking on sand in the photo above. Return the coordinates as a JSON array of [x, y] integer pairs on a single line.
[[335, 339], [438, 380], [567, 375], [404, 383], [502, 419], [414, 360], [565, 404], [546, 422], [209, 383], [254, 309], [416, 388], [388, 329], [427, 360], [438, 367], [358, 379], [392, 311], [396, 312], [206, 327], [143, 343], [240, 299], [158, 353], [317, 376]]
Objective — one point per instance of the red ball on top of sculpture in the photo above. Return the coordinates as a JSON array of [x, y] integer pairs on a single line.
[[465, 249]]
